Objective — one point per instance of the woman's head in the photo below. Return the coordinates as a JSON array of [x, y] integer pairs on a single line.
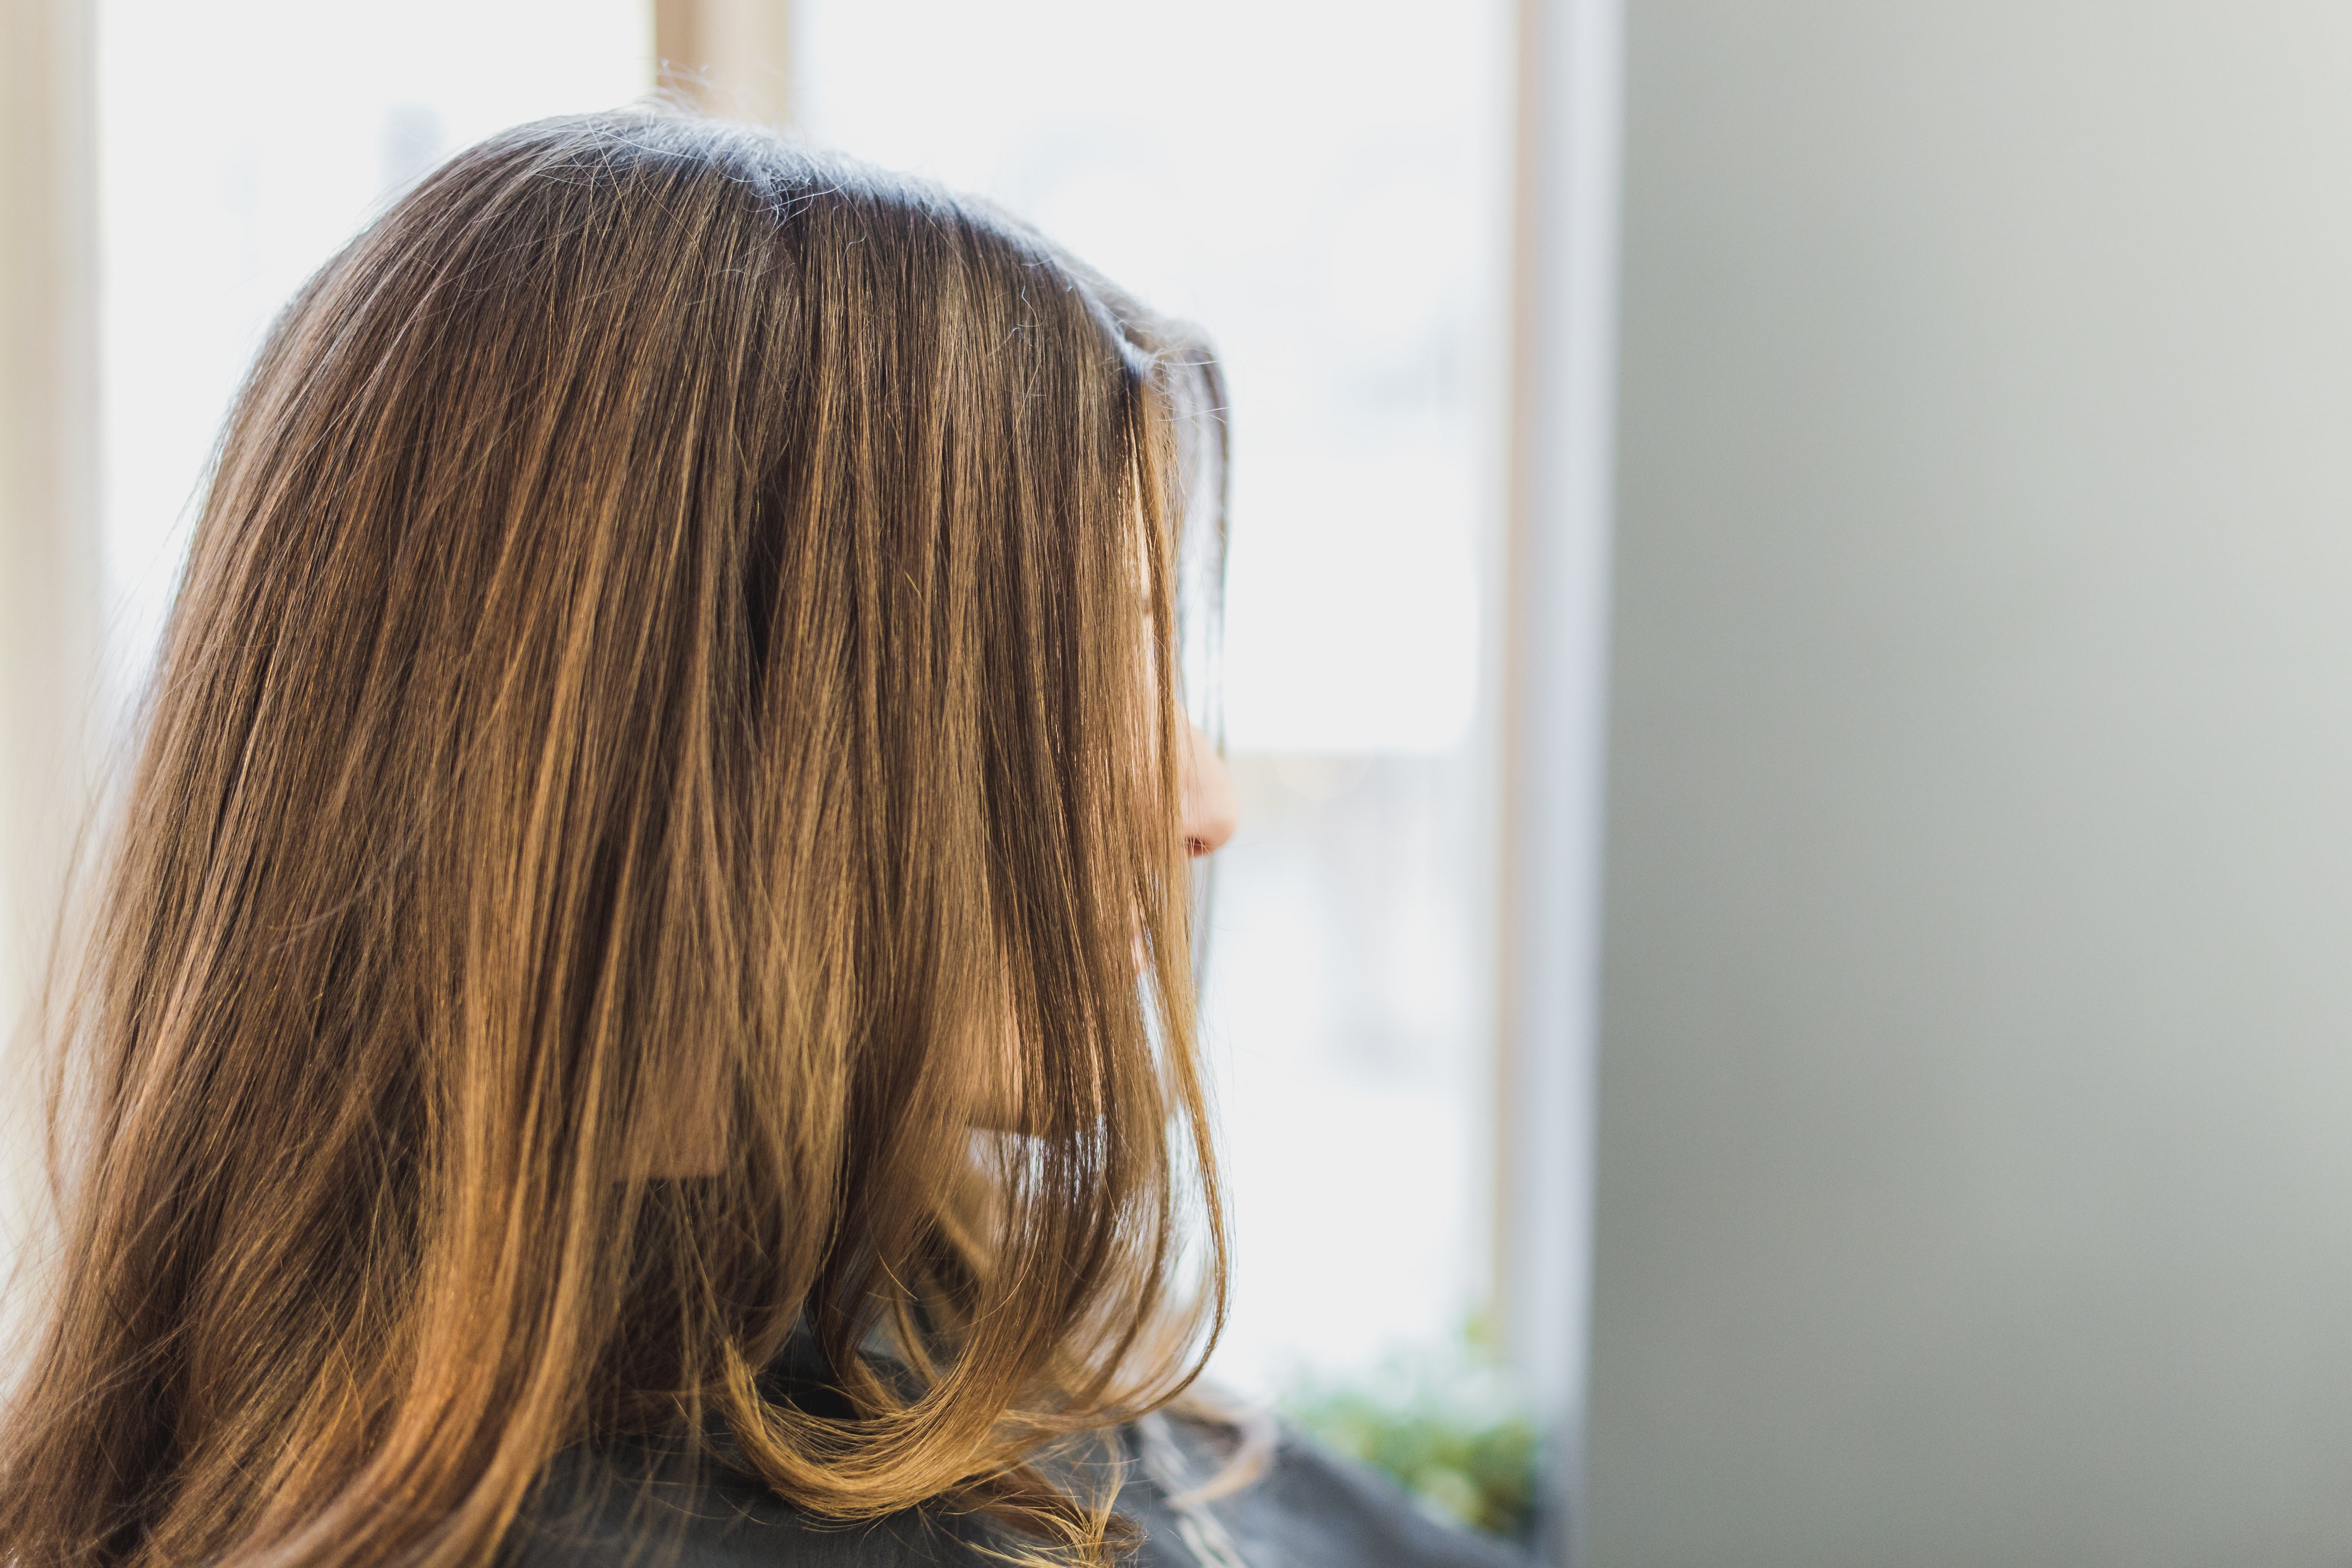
[[678, 670]]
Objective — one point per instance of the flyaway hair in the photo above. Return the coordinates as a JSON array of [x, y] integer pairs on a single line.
[[655, 831]]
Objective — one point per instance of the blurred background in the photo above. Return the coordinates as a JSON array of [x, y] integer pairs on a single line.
[[1891, 456]]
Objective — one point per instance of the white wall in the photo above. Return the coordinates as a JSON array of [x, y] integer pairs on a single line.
[[1974, 1180]]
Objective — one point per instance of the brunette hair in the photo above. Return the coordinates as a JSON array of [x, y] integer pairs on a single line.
[[661, 777]]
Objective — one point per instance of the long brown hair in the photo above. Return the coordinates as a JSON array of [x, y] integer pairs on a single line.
[[660, 781]]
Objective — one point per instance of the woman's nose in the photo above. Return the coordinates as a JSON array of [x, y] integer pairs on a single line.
[[1211, 812]]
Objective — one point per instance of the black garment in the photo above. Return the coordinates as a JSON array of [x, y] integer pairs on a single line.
[[645, 1502], [1312, 1509]]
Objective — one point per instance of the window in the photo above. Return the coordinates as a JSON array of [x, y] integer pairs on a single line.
[[240, 143], [1325, 191]]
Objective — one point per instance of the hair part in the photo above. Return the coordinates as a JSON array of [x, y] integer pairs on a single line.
[[661, 769]]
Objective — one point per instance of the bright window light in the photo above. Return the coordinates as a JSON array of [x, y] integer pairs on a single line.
[[240, 143]]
